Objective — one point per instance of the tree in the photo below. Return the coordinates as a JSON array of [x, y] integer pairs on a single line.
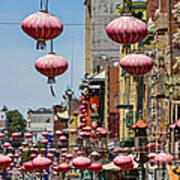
[[16, 122]]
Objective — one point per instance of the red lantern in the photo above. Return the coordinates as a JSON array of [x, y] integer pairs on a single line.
[[95, 167], [28, 166], [45, 134], [15, 135], [6, 144], [25, 144], [59, 133], [81, 163], [28, 135], [55, 168], [69, 156], [163, 159], [5, 161], [82, 98], [136, 64], [126, 30], [73, 131], [82, 107], [51, 66], [95, 154], [44, 141], [42, 26], [32, 156], [63, 138], [64, 167], [50, 155], [2, 135], [41, 163], [52, 150], [64, 150], [122, 161]]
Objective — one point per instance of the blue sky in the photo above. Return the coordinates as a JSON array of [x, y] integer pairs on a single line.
[[22, 87]]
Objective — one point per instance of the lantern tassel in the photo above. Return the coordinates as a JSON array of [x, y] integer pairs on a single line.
[[52, 91]]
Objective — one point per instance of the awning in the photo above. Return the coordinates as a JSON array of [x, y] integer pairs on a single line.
[[110, 167], [63, 115]]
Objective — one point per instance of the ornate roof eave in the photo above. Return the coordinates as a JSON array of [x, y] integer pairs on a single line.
[[140, 124]]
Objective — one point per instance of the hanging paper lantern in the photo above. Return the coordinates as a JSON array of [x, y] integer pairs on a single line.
[[51, 66], [5, 161], [63, 138], [42, 26], [122, 161], [95, 167], [95, 154], [15, 135], [126, 30], [28, 135], [2, 135], [44, 141], [28, 166], [64, 167], [41, 163], [136, 64], [45, 134], [59, 133], [81, 163]]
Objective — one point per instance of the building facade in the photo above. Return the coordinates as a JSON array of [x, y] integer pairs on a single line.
[[98, 15], [38, 121]]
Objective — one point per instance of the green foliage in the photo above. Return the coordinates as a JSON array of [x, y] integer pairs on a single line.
[[16, 121], [26, 156]]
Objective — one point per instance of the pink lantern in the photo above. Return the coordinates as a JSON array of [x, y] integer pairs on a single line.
[[28, 135], [42, 150], [64, 167], [25, 144], [41, 163], [83, 120], [45, 134], [51, 66], [126, 30], [28, 166], [55, 168], [32, 156], [69, 156], [44, 141], [42, 26], [81, 125], [87, 129], [95, 167], [64, 150], [95, 154], [6, 144], [163, 159], [84, 102], [82, 107], [5, 161], [136, 64], [121, 161], [63, 138], [82, 98], [73, 131], [15, 135], [81, 163], [50, 155], [52, 150], [2, 135], [59, 133], [76, 149]]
